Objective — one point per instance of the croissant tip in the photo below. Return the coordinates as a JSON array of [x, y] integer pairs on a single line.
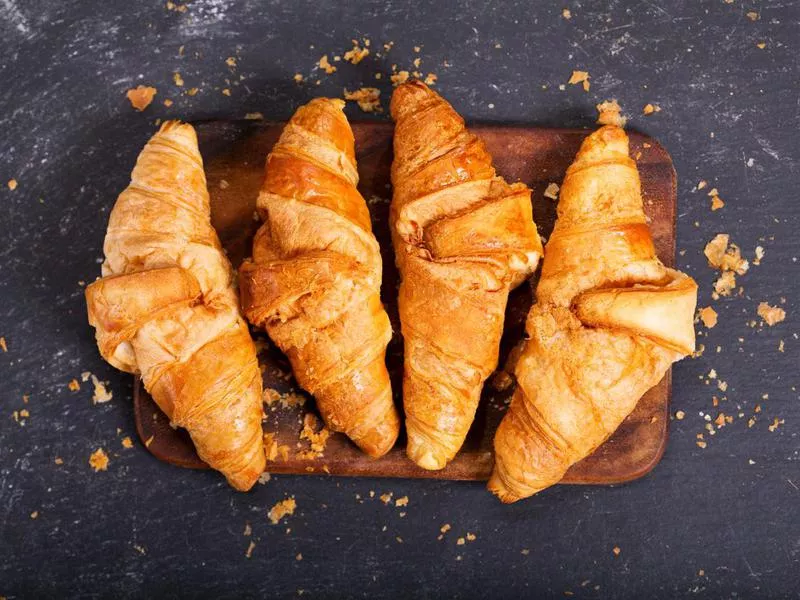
[[424, 455]]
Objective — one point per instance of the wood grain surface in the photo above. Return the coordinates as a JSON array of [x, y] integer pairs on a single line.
[[234, 154]]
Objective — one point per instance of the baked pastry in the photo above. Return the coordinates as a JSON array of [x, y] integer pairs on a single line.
[[166, 308], [463, 239], [608, 322], [314, 280]]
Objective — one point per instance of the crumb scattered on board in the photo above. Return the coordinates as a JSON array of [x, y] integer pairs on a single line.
[[127, 442], [551, 191], [282, 509], [3, 344], [316, 434], [581, 77], [368, 99], [716, 201], [566, 13], [772, 315], [250, 547], [99, 460], [141, 96], [12, 184]]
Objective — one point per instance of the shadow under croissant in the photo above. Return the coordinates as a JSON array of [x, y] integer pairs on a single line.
[[234, 154]]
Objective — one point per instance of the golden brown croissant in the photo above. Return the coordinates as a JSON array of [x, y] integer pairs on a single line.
[[463, 239], [609, 320], [314, 280], [166, 308]]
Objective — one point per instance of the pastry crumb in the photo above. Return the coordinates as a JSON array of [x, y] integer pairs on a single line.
[[725, 256], [709, 317], [775, 424], [471, 537], [616, 550], [58, 460], [581, 77], [403, 501], [649, 109], [460, 541], [399, 78], [141, 96], [254, 116], [610, 113], [325, 65], [99, 460], [231, 61], [176, 77], [356, 54], [368, 99], [430, 79], [551, 191], [386, 498], [74, 386], [12, 184], [250, 547], [759, 252], [316, 434], [772, 315], [35, 514], [716, 201], [680, 415], [566, 13], [282, 509], [127, 442], [752, 15], [101, 394]]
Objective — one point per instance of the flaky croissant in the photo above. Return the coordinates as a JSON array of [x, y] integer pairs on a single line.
[[463, 239], [166, 309], [314, 280], [609, 320]]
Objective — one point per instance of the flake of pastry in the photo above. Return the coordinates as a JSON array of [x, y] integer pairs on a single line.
[[649, 109], [101, 394], [566, 13], [325, 65], [282, 509], [176, 77], [403, 501], [98, 460], [3, 345], [551, 191], [356, 54], [73, 385], [368, 99], [610, 113], [141, 96], [709, 317], [581, 77], [127, 442], [772, 315]]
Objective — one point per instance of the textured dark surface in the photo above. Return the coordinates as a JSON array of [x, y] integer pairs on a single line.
[[715, 522]]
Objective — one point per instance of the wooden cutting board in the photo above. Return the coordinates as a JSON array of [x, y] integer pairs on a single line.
[[234, 154]]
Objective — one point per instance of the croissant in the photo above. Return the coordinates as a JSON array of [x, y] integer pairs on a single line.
[[166, 308], [609, 320], [314, 280], [463, 239]]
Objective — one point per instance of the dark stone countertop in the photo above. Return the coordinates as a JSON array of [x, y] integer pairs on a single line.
[[717, 522]]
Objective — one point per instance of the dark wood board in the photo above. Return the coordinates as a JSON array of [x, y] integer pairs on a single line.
[[234, 154]]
